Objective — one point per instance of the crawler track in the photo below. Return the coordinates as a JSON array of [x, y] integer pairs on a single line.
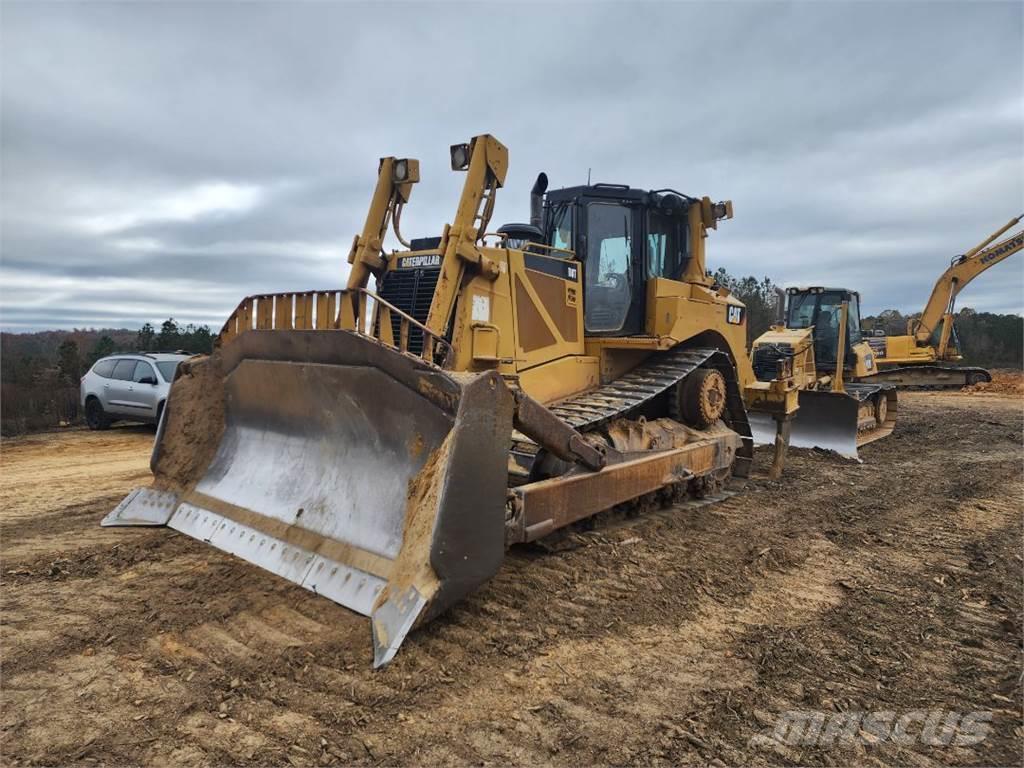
[[931, 377], [639, 390]]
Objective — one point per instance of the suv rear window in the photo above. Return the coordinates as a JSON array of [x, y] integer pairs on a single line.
[[124, 370], [104, 368]]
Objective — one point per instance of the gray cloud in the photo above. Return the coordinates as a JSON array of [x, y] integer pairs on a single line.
[[168, 159]]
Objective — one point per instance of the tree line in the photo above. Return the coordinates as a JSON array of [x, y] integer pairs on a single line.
[[39, 378], [41, 371]]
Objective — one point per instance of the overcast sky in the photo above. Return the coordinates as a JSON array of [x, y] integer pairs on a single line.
[[167, 159]]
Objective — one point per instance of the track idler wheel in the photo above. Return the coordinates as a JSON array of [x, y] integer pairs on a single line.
[[701, 398], [881, 408]]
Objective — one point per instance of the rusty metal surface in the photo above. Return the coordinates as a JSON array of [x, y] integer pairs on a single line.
[[351, 309], [547, 430], [643, 384], [628, 436], [549, 504]]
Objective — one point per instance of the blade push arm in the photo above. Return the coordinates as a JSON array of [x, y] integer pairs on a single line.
[[395, 178], [485, 160]]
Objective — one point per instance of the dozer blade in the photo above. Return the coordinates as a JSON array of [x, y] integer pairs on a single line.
[[367, 476], [825, 420], [831, 421]]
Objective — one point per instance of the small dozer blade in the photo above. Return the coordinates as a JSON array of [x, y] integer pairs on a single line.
[[825, 420], [832, 421], [367, 476]]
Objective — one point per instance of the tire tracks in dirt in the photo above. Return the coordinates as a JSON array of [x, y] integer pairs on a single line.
[[667, 639]]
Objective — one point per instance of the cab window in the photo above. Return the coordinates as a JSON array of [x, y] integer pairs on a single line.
[[853, 321], [607, 273], [561, 228], [801, 310], [663, 256]]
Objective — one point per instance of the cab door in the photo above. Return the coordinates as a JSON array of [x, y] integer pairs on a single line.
[[613, 279]]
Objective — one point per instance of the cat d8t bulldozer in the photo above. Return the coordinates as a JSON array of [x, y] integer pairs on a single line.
[[817, 343], [382, 447]]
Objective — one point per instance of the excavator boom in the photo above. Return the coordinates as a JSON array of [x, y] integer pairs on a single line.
[[927, 355], [958, 275]]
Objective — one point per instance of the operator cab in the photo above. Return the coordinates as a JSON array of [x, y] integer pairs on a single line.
[[822, 308], [623, 237]]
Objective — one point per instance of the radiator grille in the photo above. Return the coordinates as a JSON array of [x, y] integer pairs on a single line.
[[765, 360], [410, 290]]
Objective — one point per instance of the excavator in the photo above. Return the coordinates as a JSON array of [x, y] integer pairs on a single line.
[[841, 407], [382, 447], [927, 355]]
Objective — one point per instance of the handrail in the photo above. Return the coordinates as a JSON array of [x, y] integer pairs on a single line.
[[358, 309], [503, 236]]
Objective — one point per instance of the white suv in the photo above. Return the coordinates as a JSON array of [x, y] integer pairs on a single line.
[[130, 387]]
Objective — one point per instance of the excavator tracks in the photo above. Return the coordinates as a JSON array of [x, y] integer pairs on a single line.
[[928, 377], [631, 394]]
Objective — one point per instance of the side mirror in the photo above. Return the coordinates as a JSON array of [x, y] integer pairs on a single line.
[[147, 380]]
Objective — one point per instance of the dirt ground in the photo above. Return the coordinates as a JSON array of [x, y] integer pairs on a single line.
[[1003, 382], [674, 638]]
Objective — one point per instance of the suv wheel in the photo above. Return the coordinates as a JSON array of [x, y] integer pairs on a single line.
[[95, 416]]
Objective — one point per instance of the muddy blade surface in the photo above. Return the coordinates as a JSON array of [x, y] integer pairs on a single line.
[[366, 476]]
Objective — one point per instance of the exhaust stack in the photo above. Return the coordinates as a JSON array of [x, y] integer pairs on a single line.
[[780, 306], [540, 186]]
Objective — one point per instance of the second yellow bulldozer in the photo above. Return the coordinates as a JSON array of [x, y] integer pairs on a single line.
[[817, 344], [382, 447]]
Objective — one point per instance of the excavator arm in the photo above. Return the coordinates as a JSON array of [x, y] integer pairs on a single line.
[[939, 309]]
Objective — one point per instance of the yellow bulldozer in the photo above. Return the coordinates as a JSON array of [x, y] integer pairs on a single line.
[[817, 342], [383, 445]]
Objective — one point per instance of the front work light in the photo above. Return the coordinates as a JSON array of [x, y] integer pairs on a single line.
[[460, 157], [405, 170]]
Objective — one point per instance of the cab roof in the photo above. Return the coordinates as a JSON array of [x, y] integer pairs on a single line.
[[820, 289], [612, 192]]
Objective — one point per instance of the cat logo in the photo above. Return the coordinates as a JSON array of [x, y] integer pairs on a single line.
[[734, 315]]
